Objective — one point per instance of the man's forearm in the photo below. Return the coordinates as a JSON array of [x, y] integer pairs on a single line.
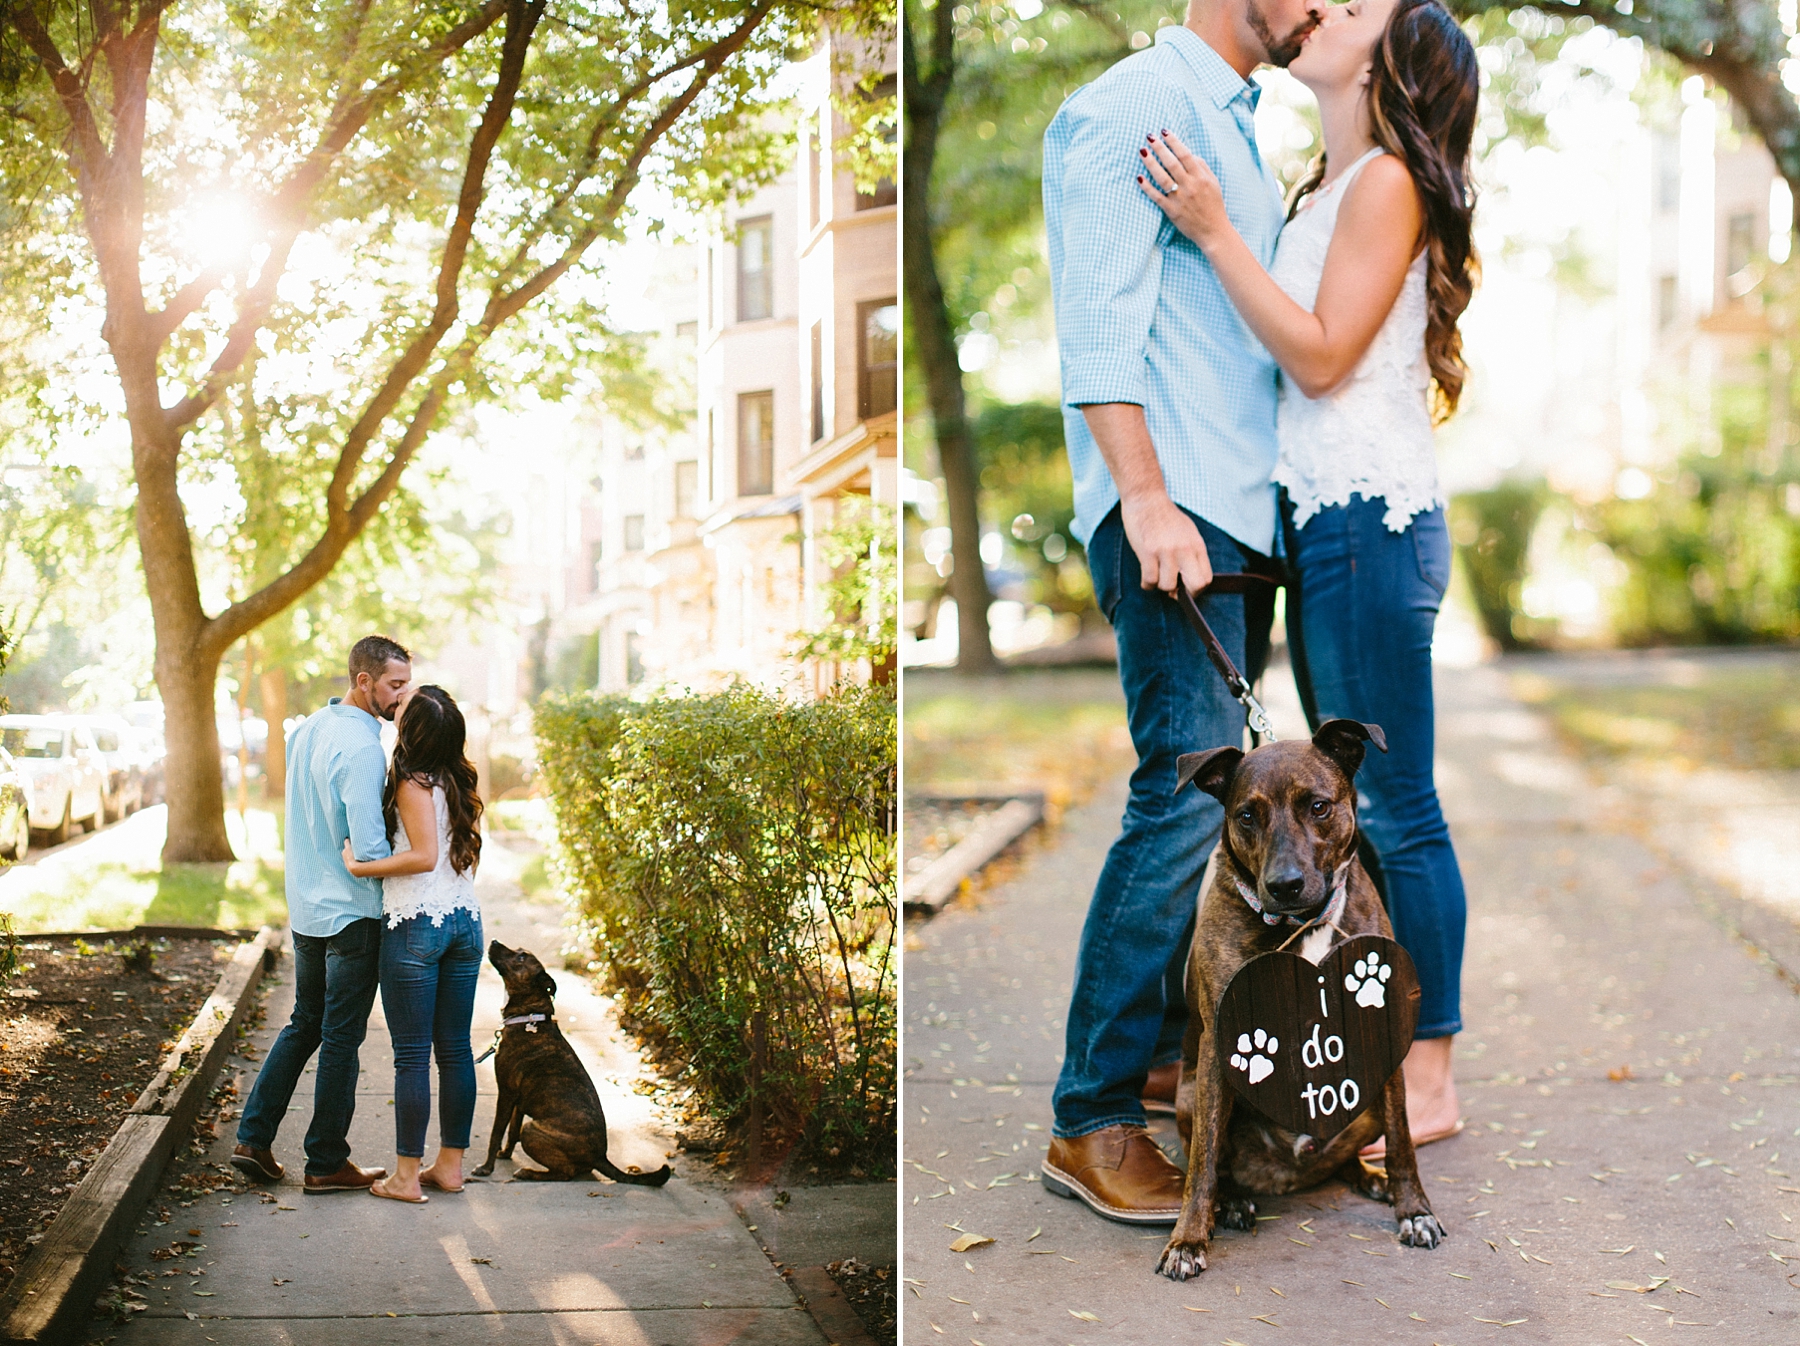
[[1123, 437]]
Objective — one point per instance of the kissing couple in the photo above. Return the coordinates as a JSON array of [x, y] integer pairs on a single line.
[[368, 842], [1247, 381]]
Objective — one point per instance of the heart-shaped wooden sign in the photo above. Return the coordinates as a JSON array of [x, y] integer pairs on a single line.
[[1311, 1047]]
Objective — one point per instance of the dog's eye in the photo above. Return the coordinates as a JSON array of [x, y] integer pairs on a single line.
[[1246, 818], [1320, 807]]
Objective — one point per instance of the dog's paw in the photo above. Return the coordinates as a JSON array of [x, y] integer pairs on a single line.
[[1368, 981], [1182, 1261], [1253, 1053], [1421, 1231], [486, 1170], [1235, 1212], [1371, 1183]]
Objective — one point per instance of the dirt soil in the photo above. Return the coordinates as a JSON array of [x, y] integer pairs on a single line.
[[870, 1291], [81, 1035]]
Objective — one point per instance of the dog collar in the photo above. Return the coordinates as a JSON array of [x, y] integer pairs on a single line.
[[531, 1021], [1340, 896]]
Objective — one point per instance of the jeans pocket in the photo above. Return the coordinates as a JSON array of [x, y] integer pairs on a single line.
[[424, 940], [1431, 543], [1103, 555]]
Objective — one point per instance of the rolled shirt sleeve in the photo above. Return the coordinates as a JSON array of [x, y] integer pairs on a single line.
[[361, 777], [1109, 238]]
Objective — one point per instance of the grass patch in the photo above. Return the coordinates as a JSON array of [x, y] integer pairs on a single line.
[[1061, 731], [536, 880], [117, 880], [1698, 713]]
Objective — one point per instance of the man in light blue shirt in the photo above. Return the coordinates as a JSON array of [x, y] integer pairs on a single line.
[[336, 774], [1169, 415]]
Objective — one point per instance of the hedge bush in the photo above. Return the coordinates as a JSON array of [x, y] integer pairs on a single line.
[[734, 858]]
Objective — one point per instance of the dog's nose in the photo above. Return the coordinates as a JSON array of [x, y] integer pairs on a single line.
[[1286, 887]]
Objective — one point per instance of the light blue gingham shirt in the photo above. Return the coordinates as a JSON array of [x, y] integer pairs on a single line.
[[1140, 313], [336, 771]]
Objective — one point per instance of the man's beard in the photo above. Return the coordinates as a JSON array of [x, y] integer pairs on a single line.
[[1280, 53], [387, 713]]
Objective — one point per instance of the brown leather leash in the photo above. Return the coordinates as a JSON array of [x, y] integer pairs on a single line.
[[1231, 583]]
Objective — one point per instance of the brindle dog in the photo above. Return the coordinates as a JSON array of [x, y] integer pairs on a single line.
[[547, 1102], [1290, 826]]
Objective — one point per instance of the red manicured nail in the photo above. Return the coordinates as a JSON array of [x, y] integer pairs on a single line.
[[1165, 130], [1140, 179], [1144, 153]]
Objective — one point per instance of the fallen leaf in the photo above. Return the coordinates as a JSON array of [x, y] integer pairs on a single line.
[[1034, 1233], [281, 1280], [1510, 1322], [1191, 1309], [1084, 1316], [482, 1261]]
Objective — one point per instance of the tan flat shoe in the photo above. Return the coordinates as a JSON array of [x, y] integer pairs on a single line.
[[375, 1190], [427, 1180]]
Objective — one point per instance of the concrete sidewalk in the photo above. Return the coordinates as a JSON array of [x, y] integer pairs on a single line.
[[1585, 1203], [560, 1263]]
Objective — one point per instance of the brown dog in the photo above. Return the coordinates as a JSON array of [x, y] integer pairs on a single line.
[[547, 1102], [1290, 836]]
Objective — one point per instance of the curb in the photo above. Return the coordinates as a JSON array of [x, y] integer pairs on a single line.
[[826, 1303], [942, 879], [51, 1298]]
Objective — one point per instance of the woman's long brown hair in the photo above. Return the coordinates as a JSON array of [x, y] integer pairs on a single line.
[[429, 752], [1424, 93]]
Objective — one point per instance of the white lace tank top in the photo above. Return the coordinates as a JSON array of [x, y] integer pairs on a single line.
[[435, 893], [1371, 435]]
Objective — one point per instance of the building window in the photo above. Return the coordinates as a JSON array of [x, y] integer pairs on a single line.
[[687, 487], [1668, 302], [634, 532], [1740, 242], [686, 331], [818, 381], [706, 302], [634, 451], [593, 565], [884, 193], [756, 443], [634, 659], [877, 357], [756, 269]]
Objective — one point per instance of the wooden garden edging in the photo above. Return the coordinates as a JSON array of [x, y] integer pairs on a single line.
[[51, 1299]]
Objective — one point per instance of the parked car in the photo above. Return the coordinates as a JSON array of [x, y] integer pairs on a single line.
[[151, 752], [15, 809], [66, 769], [124, 765]]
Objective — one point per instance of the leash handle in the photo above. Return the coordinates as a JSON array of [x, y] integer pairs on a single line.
[[1232, 583]]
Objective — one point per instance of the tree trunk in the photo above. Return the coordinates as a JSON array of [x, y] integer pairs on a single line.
[[936, 342], [275, 711], [194, 785]]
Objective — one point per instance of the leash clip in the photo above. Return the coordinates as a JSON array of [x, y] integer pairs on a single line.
[[1254, 715]]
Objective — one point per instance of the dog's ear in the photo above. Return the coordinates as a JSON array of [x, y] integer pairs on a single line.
[[544, 982], [1211, 770], [1342, 741]]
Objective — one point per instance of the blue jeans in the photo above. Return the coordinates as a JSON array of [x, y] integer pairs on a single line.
[[428, 993], [334, 990], [1362, 602], [1128, 1012]]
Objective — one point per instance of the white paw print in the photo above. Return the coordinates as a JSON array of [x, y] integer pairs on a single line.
[[1369, 981], [1249, 1055]]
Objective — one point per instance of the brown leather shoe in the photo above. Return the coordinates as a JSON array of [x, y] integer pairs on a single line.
[[1159, 1088], [257, 1165], [1120, 1172], [349, 1178]]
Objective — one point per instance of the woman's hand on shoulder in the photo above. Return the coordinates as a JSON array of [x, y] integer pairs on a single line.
[[1184, 188]]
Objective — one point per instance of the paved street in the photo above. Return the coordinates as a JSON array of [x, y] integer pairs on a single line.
[[1630, 1076], [562, 1263]]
